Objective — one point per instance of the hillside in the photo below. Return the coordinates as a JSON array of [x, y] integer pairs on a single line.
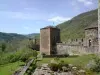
[[15, 41], [33, 35], [11, 36], [74, 28]]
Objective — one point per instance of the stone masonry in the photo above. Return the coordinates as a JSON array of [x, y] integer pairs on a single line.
[[49, 36], [50, 41]]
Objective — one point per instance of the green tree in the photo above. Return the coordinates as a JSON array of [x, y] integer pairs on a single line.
[[3, 47], [31, 44]]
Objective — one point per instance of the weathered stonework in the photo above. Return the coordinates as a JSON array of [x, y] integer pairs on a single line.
[[99, 24], [87, 45], [50, 42], [91, 35], [75, 49], [49, 36]]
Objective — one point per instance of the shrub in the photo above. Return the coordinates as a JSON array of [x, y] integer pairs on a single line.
[[96, 66], [62, 64], [53, 66], [43, 54], [58, 65], [22, 55]]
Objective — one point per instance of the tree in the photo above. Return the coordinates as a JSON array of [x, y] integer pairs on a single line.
[[3, 47], [32, 44]]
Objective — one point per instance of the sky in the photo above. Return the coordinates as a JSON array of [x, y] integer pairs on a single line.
[[28, 16]]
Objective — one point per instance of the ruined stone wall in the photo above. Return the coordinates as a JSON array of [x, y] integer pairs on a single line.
[[99, 24], [79, 41], [91, 34], [45, 41], [75, 49]]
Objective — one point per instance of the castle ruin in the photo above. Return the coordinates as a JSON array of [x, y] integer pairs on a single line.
[[50, 42]]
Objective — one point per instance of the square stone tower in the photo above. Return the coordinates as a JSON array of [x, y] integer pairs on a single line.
[[49, 36], [91, 35]]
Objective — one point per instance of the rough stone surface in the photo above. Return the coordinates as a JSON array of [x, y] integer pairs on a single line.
[[44, 70], [99, 24], [75, 49], [49, 36]]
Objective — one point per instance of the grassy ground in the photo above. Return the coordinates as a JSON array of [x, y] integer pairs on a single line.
[[8, 69], [80, 60]]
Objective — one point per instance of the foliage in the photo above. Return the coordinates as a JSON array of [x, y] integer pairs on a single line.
[[43, 54], [22, 55], [9, 69], [32, 45], [32, 67], [3, 47], [53, 66], [58, 65], [96, 66]]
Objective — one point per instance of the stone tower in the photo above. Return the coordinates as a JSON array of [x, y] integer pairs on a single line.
[[91, 35], [49, 36]]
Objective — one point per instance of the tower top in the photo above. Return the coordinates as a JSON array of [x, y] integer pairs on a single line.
[[50, 27]]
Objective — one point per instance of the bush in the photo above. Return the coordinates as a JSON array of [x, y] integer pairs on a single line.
[[96, 66], [54, 66], [22, 55], [60, 56], [62, 64], [31, 68]]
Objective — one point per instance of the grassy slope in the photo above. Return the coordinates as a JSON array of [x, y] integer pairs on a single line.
[[78, 61], [81, 60], [74, 28], [8, 69]]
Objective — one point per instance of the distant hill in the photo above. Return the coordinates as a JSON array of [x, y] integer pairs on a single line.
[[11, 36], [12, 41], [33, 35], [74, 28]]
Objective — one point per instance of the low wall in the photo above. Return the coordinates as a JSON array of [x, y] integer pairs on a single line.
[[75, 49]]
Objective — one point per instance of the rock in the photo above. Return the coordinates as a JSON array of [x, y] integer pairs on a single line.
[[70, 65], [55, 73], [45, 70], [64, 68], [74, 68], [82, 72]]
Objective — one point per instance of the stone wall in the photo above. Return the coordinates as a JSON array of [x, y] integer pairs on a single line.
[[45, 41], [75, 49], [49, 36], [91, 34], [99, 24]]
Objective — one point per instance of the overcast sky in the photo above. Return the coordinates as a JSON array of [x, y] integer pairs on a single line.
[[28, 16]]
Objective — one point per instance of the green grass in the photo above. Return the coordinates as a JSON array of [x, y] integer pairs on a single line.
[[79, 61], [8, 69]]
